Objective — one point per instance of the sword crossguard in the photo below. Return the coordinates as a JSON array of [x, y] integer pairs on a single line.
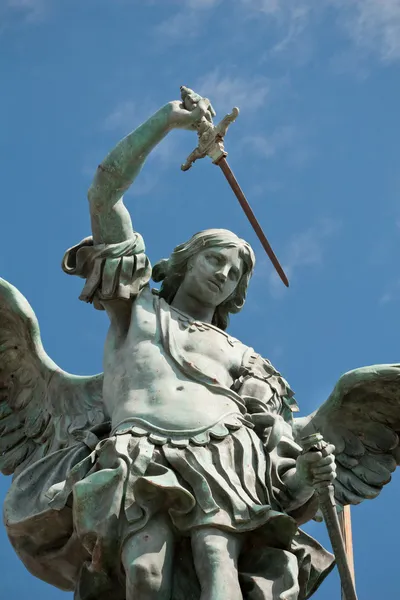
[[314, 442], [211, 139]]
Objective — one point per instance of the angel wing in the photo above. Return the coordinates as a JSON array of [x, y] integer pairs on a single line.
[[42, 408], [362, 419]]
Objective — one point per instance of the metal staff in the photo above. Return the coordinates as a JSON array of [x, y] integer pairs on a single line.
[[211, 143], [326, 495]]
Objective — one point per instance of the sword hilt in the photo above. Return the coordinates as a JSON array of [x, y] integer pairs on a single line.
[[316, 443], [211, 137]]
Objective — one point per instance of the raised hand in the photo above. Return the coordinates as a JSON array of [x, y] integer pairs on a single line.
[[190, 111]]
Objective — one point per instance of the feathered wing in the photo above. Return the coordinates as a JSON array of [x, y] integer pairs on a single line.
[[42, 408], [362, 419]]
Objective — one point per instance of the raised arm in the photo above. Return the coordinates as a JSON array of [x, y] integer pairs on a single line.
[[111, 222], [114, 263]]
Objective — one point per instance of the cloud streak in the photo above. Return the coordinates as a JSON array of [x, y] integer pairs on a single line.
[[30, 10], [123, 116], [188, 21], [371, 26], [304, 250], [391, 294], [225, 91], [268, 146]]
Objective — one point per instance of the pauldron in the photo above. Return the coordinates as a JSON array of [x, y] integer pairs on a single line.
[[263, 387]]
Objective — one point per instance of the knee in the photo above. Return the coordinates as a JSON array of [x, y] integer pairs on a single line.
[[144, 575], [214, 548]]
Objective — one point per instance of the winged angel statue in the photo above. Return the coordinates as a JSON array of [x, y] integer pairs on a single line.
[[177, 473]]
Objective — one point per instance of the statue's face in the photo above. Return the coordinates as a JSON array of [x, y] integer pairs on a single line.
[[213, 274]]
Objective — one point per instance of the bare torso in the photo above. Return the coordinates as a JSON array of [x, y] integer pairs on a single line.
[[142, 380]]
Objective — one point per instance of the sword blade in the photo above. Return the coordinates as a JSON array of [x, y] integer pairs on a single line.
[[227, 171]]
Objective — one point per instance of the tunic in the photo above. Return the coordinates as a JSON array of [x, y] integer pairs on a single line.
[[229, 475]]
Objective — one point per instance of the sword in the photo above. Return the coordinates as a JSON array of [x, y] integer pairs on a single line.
[[211, 143], [326, 495]]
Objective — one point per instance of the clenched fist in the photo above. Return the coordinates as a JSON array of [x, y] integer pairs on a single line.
[[317, 468], [188, 112]]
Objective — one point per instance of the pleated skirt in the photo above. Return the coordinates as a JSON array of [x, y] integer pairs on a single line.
[[218, 480]]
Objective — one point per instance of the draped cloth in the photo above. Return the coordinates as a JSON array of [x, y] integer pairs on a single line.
[[134, 472], [68, 514], [112, 271], [212, 478]]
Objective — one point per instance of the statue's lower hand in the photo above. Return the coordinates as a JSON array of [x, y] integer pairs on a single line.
[[189, 112], [315, 468]]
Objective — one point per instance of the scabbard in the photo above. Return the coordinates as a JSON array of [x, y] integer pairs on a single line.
[[328, 508], [326, 495]]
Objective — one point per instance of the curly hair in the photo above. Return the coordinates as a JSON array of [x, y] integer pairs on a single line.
[[172, 271]]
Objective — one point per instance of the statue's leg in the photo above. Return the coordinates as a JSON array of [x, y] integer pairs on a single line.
[[147, 560], [97, 586], [215, 555]]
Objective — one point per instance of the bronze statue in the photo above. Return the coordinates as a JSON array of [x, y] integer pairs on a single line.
[[177, 473]]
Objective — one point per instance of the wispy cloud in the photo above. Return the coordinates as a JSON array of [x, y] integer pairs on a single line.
[[269, 145], [30, 10], [304, 250], [372, 26], [188, 21], [200, 4], [227, 91], [292, 16], [122, 116], [391, 294], [287, 141]]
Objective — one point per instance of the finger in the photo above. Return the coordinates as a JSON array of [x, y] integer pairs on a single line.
[[194, 96], [204, 105], [312, 457], [208, 116], [199, 111], [324, 477], [330, 449], [326, 460], [196, 99], [323, 468], [265, 419], [322, 472]]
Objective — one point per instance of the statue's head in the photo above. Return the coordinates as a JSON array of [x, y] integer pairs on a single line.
[[215, 265]]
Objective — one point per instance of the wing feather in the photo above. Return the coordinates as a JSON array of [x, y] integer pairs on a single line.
[[362, 419], [16, 456], [5, 409], [41, 406]]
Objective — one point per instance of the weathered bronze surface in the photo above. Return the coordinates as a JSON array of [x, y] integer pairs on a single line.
[[178, 472]]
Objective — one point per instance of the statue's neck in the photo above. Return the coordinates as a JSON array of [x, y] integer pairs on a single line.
[[192, 307]]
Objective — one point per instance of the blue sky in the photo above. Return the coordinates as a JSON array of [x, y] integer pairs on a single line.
[[316, 149]]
